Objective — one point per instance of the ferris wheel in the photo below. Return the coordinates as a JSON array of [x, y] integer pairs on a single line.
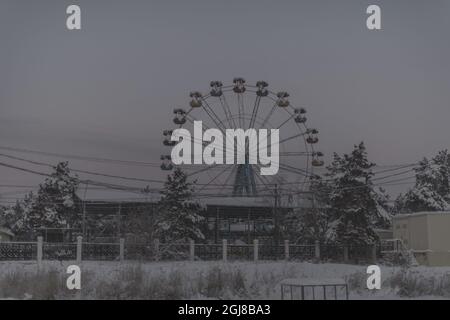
[[244, 106]]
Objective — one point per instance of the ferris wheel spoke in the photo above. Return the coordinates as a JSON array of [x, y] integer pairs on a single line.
[[240, 104], [214, 113], [278, 128], [210, 113], [292, 169], [268, 115], [263, 179], [226, 110], [194, 140], [295, 154], [230, 175], [254, 111], [284, 122], [189, 111], [291, 137], [227, 106], [207, 168], [269, 145], [215, 177], [191, 119], [246, 179]]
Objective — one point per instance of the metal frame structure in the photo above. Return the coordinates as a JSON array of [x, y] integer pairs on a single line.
[[254, 106]]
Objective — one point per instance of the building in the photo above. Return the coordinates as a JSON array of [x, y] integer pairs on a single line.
[[241, 220], [237, 219], [6, 235], [109, 216], [427, 234]]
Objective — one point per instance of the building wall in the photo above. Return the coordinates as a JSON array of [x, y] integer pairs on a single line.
[[412, 230], [5, 237], [439, 232], [427, 234]]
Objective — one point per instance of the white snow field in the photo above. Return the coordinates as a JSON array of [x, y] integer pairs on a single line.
[[211, 280]]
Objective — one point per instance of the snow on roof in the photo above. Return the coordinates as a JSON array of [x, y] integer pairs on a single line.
[[6, 231], [115, 196], [119, 196], [238, 201], [262, 202], [421, 213]]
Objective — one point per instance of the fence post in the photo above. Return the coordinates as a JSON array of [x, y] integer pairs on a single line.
[[156, 243], [224, 250], [286, 250], [345, 253], [317, 250], [40, 241], [191, 250], [373, 253], [255, 249], [121, 249], [79, 248]]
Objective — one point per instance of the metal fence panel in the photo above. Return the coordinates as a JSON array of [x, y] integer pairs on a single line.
[[208, 251], [59, 251], [100, 251], [11, 251], [302, 252]]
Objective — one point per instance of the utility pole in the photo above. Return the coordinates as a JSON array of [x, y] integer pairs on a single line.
[[275, 217], [84, 212], [118, 220]]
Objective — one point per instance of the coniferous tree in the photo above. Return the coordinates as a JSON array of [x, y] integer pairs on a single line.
[[16, 217], [56, 201], [308, 225], [179, 215], [352, 198], [431, 191], [53, 206]]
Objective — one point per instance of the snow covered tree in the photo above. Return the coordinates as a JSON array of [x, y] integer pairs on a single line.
[[431, 191], [141, 224], [53, 206], [16, 217], [307, 225], [56, 201], [3, 217], [384, 217], [352, 198], [179, 218]]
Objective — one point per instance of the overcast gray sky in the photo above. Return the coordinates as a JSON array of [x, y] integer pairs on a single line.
[[109, 89]]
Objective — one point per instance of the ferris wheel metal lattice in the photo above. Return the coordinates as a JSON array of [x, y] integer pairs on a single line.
[[244, 106]]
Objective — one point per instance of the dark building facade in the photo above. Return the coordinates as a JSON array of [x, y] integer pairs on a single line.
[[238, 223]]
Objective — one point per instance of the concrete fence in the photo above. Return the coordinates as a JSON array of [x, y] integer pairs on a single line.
[[156, 251]]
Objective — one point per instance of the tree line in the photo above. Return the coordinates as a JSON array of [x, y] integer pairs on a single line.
[[347, 207]]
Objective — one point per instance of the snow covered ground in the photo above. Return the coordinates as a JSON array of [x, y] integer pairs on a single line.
[[211, 280]]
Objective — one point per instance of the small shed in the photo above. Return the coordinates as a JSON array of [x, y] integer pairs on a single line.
[[426, 234], [6, 234]]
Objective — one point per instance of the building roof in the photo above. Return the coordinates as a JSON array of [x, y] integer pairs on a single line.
[[6, 231], [238, 202], [421, 213], [114, 196]]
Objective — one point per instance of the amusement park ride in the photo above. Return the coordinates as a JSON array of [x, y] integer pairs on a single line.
[[245, 106]]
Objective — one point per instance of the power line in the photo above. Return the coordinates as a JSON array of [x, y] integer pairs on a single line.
[[87, 158], [83, 171], [97, 183]]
